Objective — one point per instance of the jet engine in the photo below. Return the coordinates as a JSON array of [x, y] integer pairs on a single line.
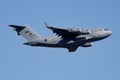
[[78, 31], [85, 31], [87, 45]]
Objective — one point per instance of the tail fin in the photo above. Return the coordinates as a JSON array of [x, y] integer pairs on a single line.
[[26, 32]]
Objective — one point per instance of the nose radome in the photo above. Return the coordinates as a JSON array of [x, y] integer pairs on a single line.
[[110, 32]]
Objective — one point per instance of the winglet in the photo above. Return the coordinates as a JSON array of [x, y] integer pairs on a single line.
[[46, 24], [50, 27]]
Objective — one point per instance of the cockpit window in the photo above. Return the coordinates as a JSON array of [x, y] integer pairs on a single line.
[[105, 29]]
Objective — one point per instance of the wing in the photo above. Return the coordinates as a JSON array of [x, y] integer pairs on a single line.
[[66, 33]]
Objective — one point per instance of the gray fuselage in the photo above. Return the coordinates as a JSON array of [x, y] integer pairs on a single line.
[[80, 40]]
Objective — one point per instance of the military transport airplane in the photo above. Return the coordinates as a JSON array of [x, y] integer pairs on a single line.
[[70, 38]]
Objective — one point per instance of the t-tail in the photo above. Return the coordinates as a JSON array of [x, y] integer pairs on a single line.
[[26, 32]]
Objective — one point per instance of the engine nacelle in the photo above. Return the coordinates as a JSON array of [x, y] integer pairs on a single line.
[[74, 30], [85, 31], [78, 31], [87, 45]]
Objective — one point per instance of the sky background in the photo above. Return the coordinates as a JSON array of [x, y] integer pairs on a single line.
[[20, 62]]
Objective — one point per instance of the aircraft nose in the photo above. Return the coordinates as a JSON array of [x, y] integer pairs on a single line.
[[109, 32]]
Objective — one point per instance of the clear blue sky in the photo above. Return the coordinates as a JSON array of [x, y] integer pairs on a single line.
[[20, 62]]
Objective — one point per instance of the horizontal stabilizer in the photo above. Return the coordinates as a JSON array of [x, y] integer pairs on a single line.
[[17, 28]]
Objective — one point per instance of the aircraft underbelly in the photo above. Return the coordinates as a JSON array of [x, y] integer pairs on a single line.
[[49, 45]]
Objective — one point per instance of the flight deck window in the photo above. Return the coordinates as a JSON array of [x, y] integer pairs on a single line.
[[105, 29]]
